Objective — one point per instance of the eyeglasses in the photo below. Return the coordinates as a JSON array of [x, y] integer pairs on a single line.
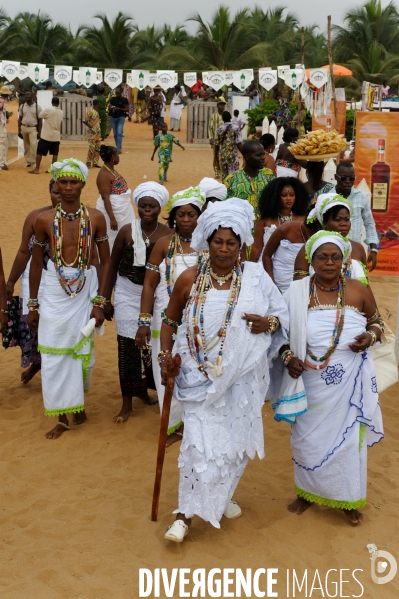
[[323, 258], [352, 178]]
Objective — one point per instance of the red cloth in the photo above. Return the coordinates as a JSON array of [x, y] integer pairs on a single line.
[[197, 86]]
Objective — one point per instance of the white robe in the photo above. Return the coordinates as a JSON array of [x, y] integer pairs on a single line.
[[127, 298], [67, 356], [223, 415], [123, 212], [283, 263], [330, 453], [160, 304]]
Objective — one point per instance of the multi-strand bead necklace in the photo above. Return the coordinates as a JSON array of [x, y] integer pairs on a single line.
[[195, 331], [339, 319], [170, 259], [82, 251]]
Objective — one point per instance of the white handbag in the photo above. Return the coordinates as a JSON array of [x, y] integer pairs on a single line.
[[386, 366]]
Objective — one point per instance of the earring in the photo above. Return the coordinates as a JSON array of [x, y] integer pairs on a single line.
[[174, 225]]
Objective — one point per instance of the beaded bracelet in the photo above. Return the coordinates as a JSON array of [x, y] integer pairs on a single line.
[[145, 315], [274, 324], [378, 326], [287, 356], [41, 244], [101, 239], [153, 267], [162, 355], [300, 273], [169, 321], [32, 302], [373, 338], [374, 318]]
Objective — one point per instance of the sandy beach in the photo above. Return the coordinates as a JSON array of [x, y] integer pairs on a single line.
[[75, 512]]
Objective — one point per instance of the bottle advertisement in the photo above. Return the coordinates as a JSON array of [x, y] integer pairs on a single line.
[[377, 162]]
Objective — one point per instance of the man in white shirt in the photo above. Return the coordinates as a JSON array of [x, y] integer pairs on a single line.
[[49, 141], [361, 210], [29, 126]]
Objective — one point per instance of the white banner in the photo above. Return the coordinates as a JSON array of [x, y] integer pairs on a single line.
[[152, 79], [113, 77], [44, 74], [166, 79], [293, 78], [88, 76], [216, 79], [318, 77], [267, 78], [129, 80], [140, 78], [23, 72], [37, 72], [99, 77], [190, 79], [62, 74], [10, 69], [76, 77], [228, 76], [205, 77], [282, 69], [242, 79]]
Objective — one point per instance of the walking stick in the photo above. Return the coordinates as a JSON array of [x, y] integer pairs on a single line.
[[171, 369]]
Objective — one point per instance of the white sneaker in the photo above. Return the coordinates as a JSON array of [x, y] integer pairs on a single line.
[[233, 510], [177, 531]]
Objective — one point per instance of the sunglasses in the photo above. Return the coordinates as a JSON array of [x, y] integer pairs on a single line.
[[352, 178]]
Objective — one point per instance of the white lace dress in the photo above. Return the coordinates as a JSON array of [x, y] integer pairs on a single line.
[[267, 231], [223, 415], [283, 263]]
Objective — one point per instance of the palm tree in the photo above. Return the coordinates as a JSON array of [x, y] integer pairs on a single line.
[[222, 44], [365, 25], [36, 38], [108, 46], [277, 30]]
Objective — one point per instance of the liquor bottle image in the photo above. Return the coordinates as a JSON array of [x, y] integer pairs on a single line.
[[141, 81], [328, 126], [87, 78], [242, 81], [37, 74], [293, 77], [380, 180]]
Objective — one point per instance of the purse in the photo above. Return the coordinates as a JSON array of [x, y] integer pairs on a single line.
[[11, 331], [386, 365]]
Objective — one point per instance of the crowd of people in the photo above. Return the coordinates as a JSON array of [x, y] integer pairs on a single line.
[[258, 281]]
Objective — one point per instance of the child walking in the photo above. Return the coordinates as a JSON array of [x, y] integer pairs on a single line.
[[164, 142]]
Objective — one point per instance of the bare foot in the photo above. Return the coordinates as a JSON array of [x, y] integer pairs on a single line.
[[59, 429], [123, 415], [175, 437], [354, 516], [299, 506], [145, 398], [79, 417], [29, 373]]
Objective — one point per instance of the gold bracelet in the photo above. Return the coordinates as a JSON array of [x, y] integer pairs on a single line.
[[274, 324]]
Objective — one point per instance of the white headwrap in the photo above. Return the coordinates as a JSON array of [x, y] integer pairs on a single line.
[[212, 188], [153, 190], [70, 167], [192, 195], [325, 201], [322, 237], [235, 214]]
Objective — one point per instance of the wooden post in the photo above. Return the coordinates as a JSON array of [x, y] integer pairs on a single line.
[[330, 62]]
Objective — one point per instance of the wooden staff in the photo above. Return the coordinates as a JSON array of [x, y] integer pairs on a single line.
[[171, 368]]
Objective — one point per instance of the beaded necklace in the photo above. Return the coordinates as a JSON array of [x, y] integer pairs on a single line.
[[285, 219], [196, 333], [170, 259], [82, 252], [221, 279], [338, 326], [70, 215]]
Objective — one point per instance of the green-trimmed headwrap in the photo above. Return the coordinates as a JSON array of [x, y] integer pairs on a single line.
[[192, 195], [322, 237], [325, 201], [70, 167]]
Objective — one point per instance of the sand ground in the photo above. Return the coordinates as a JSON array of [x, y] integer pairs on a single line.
[[76, 511]]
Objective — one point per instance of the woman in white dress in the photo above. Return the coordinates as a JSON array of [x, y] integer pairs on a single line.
[[176, 109], [333, 212], [283, 200], [170, 257], [234, 322], [328, 390]]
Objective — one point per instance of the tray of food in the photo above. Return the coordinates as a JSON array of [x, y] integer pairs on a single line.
[[318, 145]]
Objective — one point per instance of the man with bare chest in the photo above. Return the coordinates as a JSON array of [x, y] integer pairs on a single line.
[[72, 294]]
